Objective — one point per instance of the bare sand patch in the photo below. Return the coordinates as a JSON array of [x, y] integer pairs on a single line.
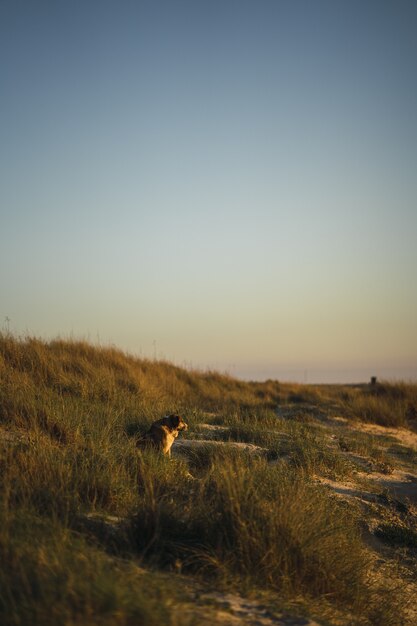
[[196, 445], [209, 431], [402, 485], [403, 435], [348, 489], [234, 609]]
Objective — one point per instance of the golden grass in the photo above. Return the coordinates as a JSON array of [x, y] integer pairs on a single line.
[[386, 404], [71, 412]]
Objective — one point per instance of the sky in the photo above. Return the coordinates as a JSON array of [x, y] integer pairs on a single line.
[[227, 184]]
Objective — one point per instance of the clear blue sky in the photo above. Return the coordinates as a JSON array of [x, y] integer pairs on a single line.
[[228, 184]]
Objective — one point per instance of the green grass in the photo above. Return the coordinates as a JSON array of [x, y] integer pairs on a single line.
[[368, 446], [69, 415], [49, 575], [304, 445], [250, 520]]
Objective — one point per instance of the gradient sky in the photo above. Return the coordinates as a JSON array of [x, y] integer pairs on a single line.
[[227, 184]]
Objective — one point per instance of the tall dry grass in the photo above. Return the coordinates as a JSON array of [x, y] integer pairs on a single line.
[[67, 410], [33, 370], [266, 524], [387, 404]]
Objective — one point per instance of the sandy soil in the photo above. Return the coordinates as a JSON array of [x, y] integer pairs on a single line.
[[232, 609], [181, 446], [405, 437]]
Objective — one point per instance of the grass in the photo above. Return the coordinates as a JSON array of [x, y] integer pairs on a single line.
[[397, 525], [266, 525], [304, 444], [398, 533], [69, 415], [52, 576], [386, 404], [367, 446], [405, 454]]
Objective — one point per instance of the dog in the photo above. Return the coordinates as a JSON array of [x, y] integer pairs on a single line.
[[163, 433]]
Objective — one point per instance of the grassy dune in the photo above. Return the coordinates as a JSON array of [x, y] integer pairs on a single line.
[[220, 519]]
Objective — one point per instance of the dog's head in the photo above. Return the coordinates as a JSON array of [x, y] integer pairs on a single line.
[[177, 423]]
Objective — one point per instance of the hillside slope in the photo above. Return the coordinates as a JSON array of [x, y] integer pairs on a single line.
[[281, 502]]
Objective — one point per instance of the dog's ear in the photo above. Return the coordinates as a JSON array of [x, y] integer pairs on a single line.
[[175, 420]]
